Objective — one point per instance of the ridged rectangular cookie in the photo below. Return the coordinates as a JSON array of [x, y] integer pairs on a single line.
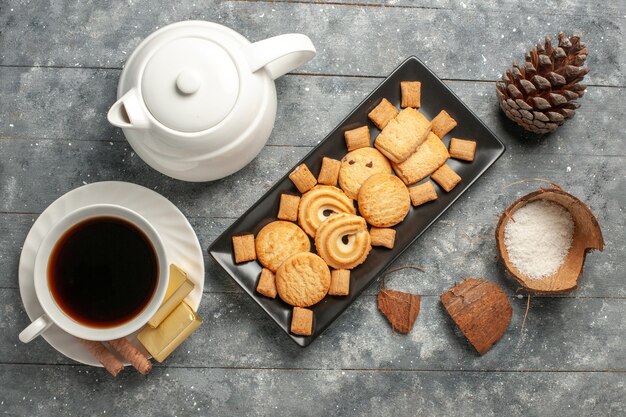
[[383, 113], [429, 156], [402, 135], [446, 177]]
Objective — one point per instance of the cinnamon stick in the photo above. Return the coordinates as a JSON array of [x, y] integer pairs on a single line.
[[132, 355], [104, 356]]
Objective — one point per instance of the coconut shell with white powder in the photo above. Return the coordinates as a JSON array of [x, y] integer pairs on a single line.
[[586, 236], [539, 237]]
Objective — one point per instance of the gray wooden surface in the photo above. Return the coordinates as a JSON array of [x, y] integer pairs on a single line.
[[59, 66]]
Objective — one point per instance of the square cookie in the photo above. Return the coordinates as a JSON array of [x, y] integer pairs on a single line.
[[339, 282], [403, 135], [329, 173], [267, 284], [302, 178], [288, 209], [422, 193], [357, 138], [383, 237], [462, 149], [302, 321], [243, 248], [446, 177], [411, 94], [429, 156], [382, 114], [443, 123]]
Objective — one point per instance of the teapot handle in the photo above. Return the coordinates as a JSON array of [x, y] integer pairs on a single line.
[[281, 54], [127, 112]]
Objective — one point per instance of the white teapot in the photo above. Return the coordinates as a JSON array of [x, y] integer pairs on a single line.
[[197, 100]]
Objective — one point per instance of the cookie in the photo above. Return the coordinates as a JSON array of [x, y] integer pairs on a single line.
[[411, 93], [329, 171], [288, 208], [429, 156], [443, 123], [422, 193], [359, 165], [383, 237], [278, 241], [357, 138], [462, 149], [339, 282], [384, 200], [302, 178], [383, 113], [303, 279], [402, 135], [267, 284], [446, 177], [243, 248], [319, 203], [302, 321], [343, 241]]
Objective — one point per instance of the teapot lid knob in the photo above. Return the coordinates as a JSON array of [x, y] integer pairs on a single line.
[[188, 82]]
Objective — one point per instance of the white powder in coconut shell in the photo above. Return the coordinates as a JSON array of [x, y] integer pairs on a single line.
[[539, 238]]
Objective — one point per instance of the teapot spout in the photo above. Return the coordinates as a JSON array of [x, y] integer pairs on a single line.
[[127, 112]]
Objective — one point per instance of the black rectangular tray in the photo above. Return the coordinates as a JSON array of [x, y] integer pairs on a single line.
[[435, 97]]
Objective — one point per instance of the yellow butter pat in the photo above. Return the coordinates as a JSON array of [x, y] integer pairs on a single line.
[[173, 331], [178, 288]]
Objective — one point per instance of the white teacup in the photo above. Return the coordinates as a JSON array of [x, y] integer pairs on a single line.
[[54, 314]]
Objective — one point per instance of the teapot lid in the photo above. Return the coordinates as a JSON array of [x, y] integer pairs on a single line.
[[190, 84]]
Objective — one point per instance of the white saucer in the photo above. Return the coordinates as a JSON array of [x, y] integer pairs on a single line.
[[181, 245]]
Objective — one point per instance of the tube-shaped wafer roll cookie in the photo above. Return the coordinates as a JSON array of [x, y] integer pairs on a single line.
[[104, 356], [131, 354]]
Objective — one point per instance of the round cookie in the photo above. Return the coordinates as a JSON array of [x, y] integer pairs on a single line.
[[343, 241], [319, 203], [279, 240], [384, 200], [359, 165], [303, 279]]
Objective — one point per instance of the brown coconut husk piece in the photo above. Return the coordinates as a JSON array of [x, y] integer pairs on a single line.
[[480, 309], [400, 308], [587, 237]]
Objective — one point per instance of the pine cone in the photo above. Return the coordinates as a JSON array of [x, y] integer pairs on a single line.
[[539, 94]]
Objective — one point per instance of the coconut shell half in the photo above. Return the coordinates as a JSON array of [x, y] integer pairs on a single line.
[[400, 308], [480, 309], [587, 237]]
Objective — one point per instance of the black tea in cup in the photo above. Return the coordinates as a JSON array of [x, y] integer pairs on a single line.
[[103, 272]]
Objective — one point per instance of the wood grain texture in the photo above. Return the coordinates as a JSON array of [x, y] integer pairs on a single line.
[[442, 251], [367, 41], [201, 392], [237, 333], [589, 7], [59, 66], [71, 104], [36, 175], [37, 172]]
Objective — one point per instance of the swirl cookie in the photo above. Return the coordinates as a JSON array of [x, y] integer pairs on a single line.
[[359, 165], [384, 200], [278, 241], [343, 241], [319, 203], [303, 279]]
